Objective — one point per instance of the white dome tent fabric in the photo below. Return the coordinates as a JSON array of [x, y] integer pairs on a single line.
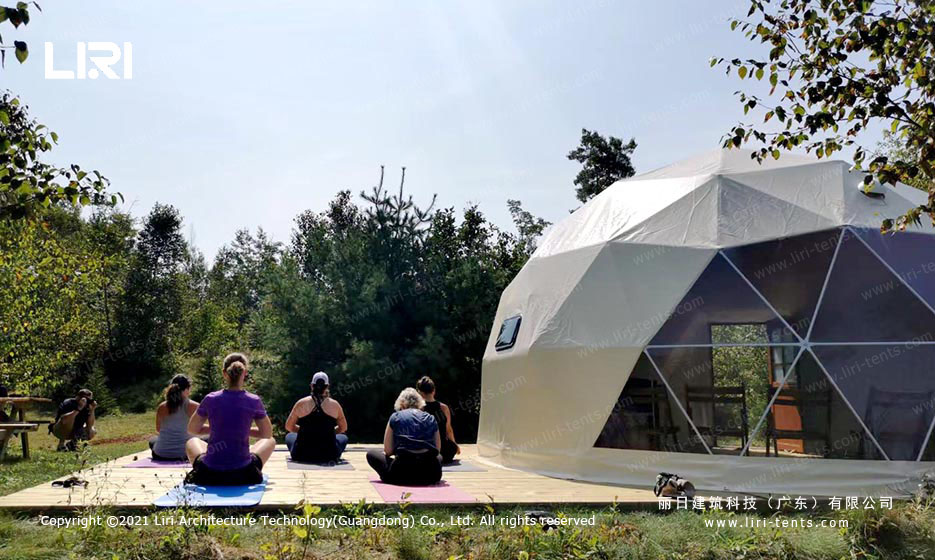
[[744, 325]]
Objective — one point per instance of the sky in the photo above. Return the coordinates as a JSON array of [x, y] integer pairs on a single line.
[[243, 114]]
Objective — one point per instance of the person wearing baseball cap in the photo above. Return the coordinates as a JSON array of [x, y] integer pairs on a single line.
[[317, 426]]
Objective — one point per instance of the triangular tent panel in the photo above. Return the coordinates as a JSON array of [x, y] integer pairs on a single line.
[[865, 302], [808, 419], [720, 296], [789, 273], [883, 385], [910, 254], [627, 315], [646, 417], [748, 215]]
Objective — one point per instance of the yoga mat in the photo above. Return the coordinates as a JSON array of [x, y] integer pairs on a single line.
[[218, 496], [440, 493], [462, 466], [341, 465], [150, 463]]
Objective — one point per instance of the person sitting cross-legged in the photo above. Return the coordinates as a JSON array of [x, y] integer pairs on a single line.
[[317, 426], [442, 414], [228, 459], [172, 418], [410, 445]]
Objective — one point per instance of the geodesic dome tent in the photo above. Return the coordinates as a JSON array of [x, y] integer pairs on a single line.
[[744, 325]]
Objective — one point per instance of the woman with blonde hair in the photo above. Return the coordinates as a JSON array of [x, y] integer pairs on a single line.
[[410, 444], [228, 459]]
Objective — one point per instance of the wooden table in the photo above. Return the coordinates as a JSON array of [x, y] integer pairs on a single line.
[[20, 404]]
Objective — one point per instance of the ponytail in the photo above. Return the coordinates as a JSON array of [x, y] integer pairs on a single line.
[[235, 373], [174, 392], [235, 366], [426, 385]]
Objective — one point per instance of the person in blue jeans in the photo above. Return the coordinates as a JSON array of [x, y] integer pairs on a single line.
[[317, 426]]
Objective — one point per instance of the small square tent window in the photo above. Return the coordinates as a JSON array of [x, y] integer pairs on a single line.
[[508, 331]]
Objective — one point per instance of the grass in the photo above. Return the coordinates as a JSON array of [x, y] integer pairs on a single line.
[[119, 435], [907, 531]]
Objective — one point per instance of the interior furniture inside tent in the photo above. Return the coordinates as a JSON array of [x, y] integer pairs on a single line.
[[744, 325]]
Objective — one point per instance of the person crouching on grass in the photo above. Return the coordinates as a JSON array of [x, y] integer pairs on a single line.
[[74, 421], [228, 459], [410, 445]]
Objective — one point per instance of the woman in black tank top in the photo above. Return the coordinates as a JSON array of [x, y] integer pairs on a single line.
[[442, 413], [317, 437]]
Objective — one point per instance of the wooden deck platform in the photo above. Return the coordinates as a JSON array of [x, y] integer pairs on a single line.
[[112, 484]]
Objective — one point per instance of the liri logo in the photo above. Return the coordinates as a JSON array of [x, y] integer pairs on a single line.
[[102, 63]]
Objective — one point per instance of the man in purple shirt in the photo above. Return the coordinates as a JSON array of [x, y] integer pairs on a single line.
[[227, 458]]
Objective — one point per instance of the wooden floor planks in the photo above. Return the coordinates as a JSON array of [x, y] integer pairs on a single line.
[[111, 484]]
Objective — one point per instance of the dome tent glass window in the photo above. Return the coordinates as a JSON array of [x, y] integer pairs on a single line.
[[509, 330], [820, 344]]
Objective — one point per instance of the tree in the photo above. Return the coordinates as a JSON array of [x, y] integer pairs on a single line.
[[835, 68], [112, 234], [51, 278], [27, 183], [604, 162], [151, 311], [378, 295], [241, 271], [528, 226]]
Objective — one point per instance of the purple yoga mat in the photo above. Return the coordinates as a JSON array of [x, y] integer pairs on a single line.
[[149, 463], [440, 493]]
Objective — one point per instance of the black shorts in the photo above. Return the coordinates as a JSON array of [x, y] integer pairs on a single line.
[[203, 475]]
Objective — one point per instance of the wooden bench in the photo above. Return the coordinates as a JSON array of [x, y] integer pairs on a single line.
[[9, 430]]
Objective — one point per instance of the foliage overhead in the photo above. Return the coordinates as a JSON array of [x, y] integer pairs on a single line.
[[16, 16], [26, 182], [834, 68], [604, 162]]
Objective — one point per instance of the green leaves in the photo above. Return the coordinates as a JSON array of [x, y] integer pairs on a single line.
[[604, 162], [50, 282], [28, 184], [22, 52], [835, 67], [16, 16]]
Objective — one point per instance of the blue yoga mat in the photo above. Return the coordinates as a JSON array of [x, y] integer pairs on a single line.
[[213, 496]]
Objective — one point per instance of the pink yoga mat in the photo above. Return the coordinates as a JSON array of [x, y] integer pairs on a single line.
[[149, 463], [440, 493]]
